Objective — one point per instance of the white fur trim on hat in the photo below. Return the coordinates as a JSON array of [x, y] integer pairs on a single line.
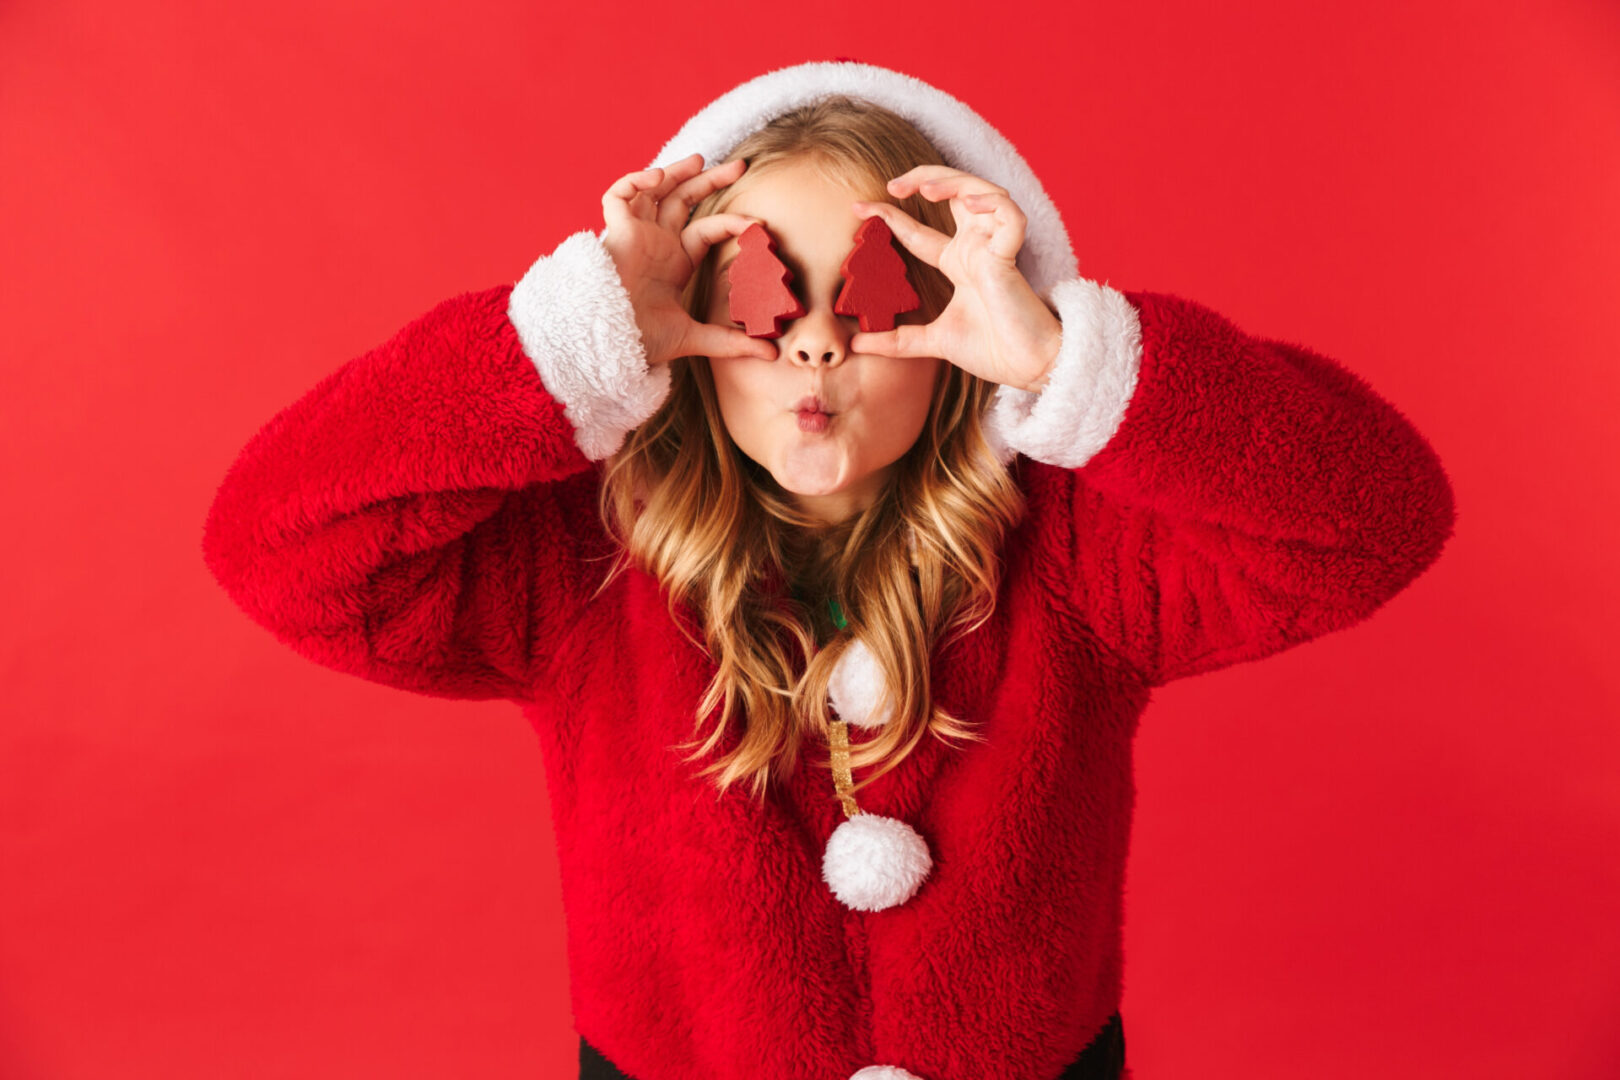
[[1091, 384], [576, 322], [856, 688], [873, 862], [963, 138], [883, 1072]]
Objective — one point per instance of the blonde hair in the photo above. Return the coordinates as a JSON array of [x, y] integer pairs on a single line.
[[715, 529]]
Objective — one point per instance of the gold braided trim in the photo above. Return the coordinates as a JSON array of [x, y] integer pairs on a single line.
[[842, 780]]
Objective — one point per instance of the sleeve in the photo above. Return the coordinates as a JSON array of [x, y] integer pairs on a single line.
[[1215, 497], [425, 516]]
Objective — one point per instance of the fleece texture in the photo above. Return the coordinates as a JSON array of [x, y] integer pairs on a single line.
[[425, 518]]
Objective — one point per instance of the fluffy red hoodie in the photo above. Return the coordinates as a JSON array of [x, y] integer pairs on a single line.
[[425, 518]]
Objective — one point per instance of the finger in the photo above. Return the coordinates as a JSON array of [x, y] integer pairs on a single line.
[[627, 191], [722, 342], [636, 195], [922, 241], [907, 182], [1009, 222], [931, 180], [616, 208], [616, 213], [698, 237], [906, 340], [675, 173], [628, 184], [674, 210], [947, 187]]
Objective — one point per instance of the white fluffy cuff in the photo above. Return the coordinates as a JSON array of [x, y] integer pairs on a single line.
[[1085, 396], [574, 317]]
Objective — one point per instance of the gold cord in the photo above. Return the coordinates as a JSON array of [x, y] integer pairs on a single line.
[[842, 780]]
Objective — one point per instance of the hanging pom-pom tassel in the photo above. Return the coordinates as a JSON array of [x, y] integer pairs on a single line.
[[856, 687], [871, 862], [874, 862]]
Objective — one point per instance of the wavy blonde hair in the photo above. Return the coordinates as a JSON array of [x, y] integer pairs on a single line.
[[717, 532]]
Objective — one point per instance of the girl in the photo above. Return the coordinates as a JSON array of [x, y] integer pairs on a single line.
[[836, 698]]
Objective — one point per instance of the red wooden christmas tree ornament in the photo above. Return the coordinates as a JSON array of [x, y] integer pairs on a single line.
[[760, 298], [875, 285]]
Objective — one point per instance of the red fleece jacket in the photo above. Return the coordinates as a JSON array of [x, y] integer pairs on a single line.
[[424, 517]]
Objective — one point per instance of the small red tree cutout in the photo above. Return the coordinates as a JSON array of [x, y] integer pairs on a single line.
[[875, 283], [760, 298]]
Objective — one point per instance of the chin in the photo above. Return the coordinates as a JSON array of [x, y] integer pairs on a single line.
[[799, 488]]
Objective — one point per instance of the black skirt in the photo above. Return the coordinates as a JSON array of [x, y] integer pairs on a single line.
[[1102, 1059]]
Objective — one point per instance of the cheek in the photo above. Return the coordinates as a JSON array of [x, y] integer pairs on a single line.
[[740, 390], [899, 392]]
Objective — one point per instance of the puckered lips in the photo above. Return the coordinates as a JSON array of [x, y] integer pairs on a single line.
[[810, 403], [814, 416]]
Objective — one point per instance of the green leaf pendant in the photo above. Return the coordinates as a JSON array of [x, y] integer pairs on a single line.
[[837, 614]]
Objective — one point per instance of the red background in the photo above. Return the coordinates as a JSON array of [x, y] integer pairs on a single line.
[[1390, 852]]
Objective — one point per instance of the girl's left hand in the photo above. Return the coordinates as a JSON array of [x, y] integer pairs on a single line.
[[995, 326]]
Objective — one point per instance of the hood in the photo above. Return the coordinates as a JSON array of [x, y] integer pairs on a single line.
[[964, 139], [1063, 424]]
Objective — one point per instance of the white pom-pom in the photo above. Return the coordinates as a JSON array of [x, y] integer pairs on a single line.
[[874, 862], [883, 1072], [856, 687]]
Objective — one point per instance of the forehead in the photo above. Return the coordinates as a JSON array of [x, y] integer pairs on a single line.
[[807, 212]]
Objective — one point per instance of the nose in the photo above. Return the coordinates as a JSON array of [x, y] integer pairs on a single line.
[[816, 337]]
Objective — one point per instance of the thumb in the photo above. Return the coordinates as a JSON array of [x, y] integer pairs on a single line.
[[707, 339], [906, 340]]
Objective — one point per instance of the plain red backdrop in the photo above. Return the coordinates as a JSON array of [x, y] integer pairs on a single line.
[[1390, 852]]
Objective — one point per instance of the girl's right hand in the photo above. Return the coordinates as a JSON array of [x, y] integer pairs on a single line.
[[655, 256]]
